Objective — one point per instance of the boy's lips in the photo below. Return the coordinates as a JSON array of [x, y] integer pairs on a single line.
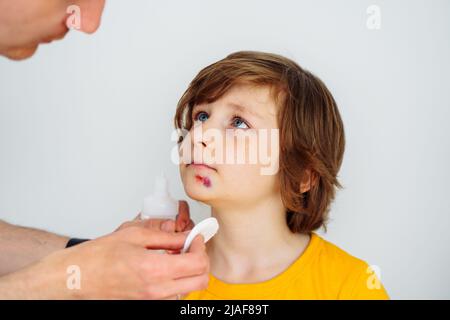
[[201, 166]]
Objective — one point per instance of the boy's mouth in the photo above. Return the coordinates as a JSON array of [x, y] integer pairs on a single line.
[[200, 166]]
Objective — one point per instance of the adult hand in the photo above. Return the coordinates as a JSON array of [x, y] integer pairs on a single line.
[[116, 266]]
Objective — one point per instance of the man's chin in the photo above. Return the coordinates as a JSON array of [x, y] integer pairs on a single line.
[[20, 53]]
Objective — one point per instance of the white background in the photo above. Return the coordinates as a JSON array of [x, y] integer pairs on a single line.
[[85, 124]]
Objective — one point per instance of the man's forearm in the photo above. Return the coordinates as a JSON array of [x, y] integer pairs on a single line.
[[45, 279], [19, 246]]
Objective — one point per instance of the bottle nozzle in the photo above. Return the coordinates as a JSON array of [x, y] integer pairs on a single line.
[[160, 205], [161, 186]]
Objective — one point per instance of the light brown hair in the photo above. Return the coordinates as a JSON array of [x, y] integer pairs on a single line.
[[311, 130]]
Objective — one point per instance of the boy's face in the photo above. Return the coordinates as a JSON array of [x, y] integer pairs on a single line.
[[232, 162]]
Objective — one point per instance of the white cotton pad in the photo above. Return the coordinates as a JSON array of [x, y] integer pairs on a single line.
[[207, 228]]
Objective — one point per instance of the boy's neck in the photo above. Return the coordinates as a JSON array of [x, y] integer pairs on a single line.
[[253, 243]]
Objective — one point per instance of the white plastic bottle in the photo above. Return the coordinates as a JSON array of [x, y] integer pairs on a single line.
[[160, 205]]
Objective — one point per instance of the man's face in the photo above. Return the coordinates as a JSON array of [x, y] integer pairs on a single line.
[[24, 24]]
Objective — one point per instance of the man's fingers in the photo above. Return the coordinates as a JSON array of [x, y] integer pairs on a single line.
[[190, 225], [154, 239], [183, 218], [166, 225], [183, 286], [189, 264], [198, 245], [159, 224]]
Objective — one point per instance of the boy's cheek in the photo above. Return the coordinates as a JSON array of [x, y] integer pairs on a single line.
[[239, 177], [247, 179]]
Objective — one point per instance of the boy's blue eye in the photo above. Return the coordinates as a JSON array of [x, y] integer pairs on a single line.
[[201, 116], [239, 123]]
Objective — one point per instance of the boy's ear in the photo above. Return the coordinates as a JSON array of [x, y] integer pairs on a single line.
[[309, 180]]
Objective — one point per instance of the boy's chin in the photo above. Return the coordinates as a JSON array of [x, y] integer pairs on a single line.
[[199, 193]]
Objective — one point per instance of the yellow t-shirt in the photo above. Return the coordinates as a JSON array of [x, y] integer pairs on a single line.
[[323, 271]]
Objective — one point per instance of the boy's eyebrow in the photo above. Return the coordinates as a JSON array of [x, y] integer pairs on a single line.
[[244, 109]]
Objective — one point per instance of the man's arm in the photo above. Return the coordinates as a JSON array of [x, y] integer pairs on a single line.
[[19, 246], [116, 266]]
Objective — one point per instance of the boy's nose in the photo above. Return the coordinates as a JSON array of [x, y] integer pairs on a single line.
[[91, 13], [198, 137]]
